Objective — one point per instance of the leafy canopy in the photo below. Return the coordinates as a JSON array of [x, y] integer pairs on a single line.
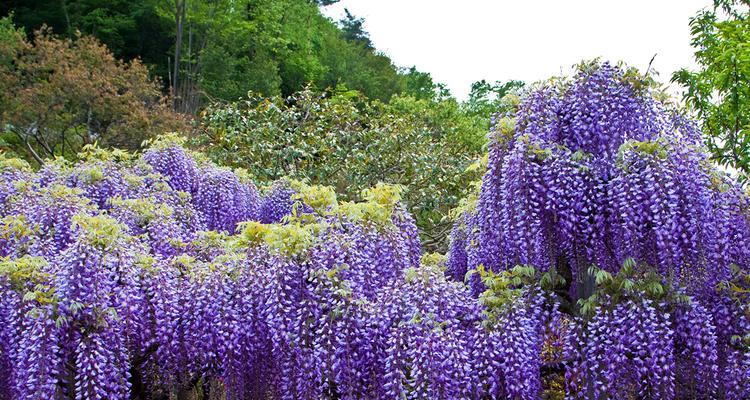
[[344, 140], [718, 90]]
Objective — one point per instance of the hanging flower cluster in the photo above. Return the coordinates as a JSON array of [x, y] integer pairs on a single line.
[[124, 278], [593, 171], [596, 183]]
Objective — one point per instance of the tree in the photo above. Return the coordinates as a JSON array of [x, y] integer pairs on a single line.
[[353, 30], [718, 90], [486, 99], [130, 29], [221, 49], [63, 94], [344, 140], [420, 85], [11, 44]]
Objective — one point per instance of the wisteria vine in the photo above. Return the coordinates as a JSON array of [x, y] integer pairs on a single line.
[[605, 189], [602, 257]]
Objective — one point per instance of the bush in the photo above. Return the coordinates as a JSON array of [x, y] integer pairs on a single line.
[[59, 95], [343, 140]]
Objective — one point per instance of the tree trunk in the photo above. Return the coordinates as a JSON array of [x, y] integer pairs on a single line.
[[64, 8], [179, 17], [25, 140]]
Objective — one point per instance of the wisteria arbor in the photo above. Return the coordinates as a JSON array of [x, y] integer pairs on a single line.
[[164, 275], [603, 258]]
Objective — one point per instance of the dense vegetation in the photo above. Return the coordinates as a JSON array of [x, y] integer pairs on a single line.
[[226, 48], [58, 95], [344, 140], [604, 257], [592, 247], [718, 90]]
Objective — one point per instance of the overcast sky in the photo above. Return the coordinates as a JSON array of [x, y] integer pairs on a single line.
[[460, 42]]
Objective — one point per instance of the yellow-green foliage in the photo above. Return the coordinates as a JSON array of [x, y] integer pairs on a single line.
[[92, 175], [99, 230], [146, 209], [211, 240], [167, 140], [13, 163], [286, 239], [413, 274], [297, 232], [92, 152], [503, 288], [62, 192], [512, 100], [146, 263], [244, 176], [15, 227], [656, 148], [384, 194], [378, 207], [506, 128], [23, 270], [322, 199], [479, 164], [56, 192], [433, 260], [25, 275]]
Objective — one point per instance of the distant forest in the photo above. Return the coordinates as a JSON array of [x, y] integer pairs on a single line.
[[219, 50]]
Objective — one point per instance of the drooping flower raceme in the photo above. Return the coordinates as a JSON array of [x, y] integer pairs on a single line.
[[594, 177], [602, 257]]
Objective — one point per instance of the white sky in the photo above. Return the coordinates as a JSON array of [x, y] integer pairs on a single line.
[[460, 42]]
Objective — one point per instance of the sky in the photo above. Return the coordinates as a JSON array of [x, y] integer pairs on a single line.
[[460, 42]]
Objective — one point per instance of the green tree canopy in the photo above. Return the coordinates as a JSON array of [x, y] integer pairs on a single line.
[[487, 98], [221, 49], [718, 91], [344, 140]]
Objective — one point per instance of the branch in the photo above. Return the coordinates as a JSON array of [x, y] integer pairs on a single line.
[[33, 153], [648, 69], [40, 139]]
